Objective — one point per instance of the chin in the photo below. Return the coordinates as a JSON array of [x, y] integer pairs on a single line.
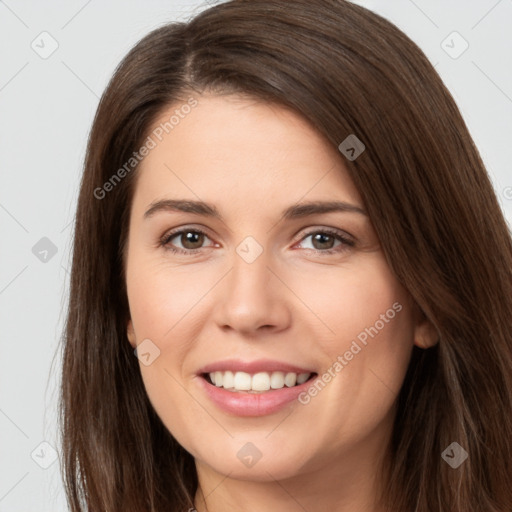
[[256, 460]]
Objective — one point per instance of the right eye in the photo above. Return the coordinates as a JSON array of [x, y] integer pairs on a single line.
[[187, 237]]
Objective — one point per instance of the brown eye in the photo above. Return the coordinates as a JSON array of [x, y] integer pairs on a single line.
[[191, 239], [323, 241], [185, 241], [327, 241]]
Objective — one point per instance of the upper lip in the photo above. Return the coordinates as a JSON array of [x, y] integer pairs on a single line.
[[259, 365]]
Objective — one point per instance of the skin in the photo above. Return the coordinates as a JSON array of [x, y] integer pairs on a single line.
[[294, 303]]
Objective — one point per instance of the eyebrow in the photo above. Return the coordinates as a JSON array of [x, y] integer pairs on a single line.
[[295, 211]]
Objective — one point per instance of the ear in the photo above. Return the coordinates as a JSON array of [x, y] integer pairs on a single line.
[[131, 334], [425, 334]]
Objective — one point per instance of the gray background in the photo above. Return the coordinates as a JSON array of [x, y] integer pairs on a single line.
[[47, 107]]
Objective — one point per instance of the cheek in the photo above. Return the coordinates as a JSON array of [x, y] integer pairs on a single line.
[[181, 414], [165, 305], [163, 299], [366, 338], [377, 320], [349, 301]]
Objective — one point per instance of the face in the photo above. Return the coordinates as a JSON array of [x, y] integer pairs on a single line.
[[273, 336]]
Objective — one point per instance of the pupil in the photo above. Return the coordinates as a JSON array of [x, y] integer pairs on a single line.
[[321, 238], [191, 238]]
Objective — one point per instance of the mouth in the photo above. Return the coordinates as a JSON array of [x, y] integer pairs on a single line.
[[257, 383], [253, 392]]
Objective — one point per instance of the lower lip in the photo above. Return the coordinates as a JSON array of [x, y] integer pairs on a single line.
[[252, 404]]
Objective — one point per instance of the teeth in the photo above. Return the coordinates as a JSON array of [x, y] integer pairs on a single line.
[[259, 382], [228, 380], [242, 381], [290, 380], [277, 380], [302, 377]]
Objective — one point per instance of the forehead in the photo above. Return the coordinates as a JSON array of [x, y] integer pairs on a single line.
[[240, 151]]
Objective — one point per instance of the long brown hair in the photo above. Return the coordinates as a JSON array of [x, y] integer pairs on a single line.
[[424, 185]]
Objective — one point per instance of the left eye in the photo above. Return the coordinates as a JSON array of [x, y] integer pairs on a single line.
[[323, 241]]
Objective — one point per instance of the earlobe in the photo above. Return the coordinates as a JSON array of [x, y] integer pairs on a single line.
[[425, 334], [130, 333]]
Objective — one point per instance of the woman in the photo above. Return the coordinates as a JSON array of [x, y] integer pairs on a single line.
[[284, 218]]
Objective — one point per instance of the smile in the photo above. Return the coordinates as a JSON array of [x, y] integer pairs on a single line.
[[255, 388], [257, 383]]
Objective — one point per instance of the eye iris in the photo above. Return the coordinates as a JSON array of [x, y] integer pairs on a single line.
[[321, 237], [191, 237]]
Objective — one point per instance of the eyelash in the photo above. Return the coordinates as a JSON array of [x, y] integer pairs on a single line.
[[345, 242]]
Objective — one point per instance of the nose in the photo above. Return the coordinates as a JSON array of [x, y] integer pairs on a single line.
[[253, 298]]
